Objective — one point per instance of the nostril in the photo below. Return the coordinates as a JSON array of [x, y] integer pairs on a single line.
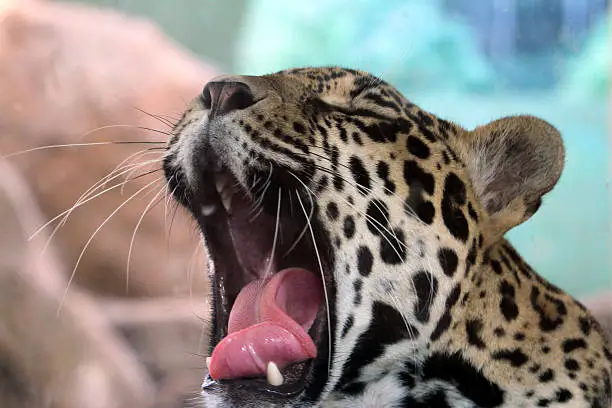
[[207, 95], [239, 96], [224, 97]]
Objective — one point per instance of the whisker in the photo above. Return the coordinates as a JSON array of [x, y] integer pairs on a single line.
[[176, 206], [133, 156], [100, 184], [103, 182], [45, 225], [257, 214], [131, 247], [276, 228], [314, 243], [192, 261], [257, 203], [162, 132], [398, 307], [128, 177], [169, 195], [195, 354], [61, 304], [304, 230], [375, 223], [128, 168], [372, 192], [201, 342], [367, 217], [57, 146], [356, 185], [66, 215], [159, 118], [89, 132]]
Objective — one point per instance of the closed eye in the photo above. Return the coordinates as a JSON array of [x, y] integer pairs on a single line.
[[320, 106]]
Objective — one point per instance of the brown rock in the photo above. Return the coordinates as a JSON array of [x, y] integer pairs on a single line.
[[57, 349], [72, 74], [170, 337]]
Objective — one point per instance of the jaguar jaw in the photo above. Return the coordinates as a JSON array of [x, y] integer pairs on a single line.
[[268, 279]]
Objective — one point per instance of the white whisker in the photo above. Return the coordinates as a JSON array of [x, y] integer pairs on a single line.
[[157, 117], [66, 214], [257, 203], [128, 177], [57, 146], [169, 195], [46, 224], [393, 195], [93, 236], [299, 238], [89, 132], [110, 177], [192, 261], [314, 243], [129, 258], [276, 228], [127, 161], [381, 227]]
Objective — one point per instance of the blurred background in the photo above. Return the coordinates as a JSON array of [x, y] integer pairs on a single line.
[[98, 70]]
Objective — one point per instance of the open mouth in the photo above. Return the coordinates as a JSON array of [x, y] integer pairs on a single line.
[[269, 308]]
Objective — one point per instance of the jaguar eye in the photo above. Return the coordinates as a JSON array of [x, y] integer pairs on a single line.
[[325, 105], [322, 106]]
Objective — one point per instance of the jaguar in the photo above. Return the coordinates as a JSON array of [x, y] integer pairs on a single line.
[[357, 251]]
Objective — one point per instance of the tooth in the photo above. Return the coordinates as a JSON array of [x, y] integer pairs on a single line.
[[226, 199], [274, 375], [208, 360], [220, 182], [208, 210]]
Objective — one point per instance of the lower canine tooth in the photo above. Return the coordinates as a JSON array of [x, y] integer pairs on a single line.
[[208, 360], [273, 375]]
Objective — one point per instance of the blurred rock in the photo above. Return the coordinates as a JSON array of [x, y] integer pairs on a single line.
[[62, 348], [170, 337], [57, 349], [73, 74]]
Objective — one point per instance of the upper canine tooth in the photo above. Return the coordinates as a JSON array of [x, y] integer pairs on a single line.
[[220, 183], [226, 199]]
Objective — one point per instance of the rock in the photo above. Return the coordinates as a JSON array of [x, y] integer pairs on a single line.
[[170, 337], [57, 349], [73, 74]]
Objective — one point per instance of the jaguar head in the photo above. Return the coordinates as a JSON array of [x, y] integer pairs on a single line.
[[338, 217]]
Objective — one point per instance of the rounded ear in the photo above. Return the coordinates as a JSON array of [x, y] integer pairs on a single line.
[[512, 163]]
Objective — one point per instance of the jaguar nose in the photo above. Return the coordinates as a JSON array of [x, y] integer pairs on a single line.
[[223, 97]]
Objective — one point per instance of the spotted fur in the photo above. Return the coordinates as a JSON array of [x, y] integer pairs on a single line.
[[431, 306]]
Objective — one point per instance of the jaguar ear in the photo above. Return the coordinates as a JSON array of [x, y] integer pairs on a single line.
[[512, 163]]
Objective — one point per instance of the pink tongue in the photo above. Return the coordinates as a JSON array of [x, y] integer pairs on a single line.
[[269, 322]]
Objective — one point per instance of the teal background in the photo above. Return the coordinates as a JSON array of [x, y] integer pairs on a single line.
[[461, 64]]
